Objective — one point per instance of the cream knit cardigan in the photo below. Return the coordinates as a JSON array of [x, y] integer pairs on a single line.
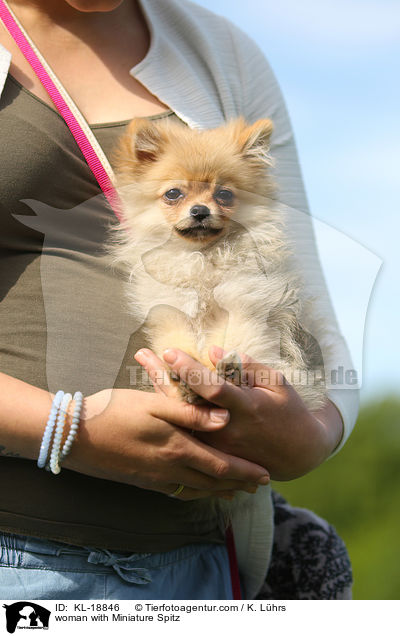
[[207, 71]]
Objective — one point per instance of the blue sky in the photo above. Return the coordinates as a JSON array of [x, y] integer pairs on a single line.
[[338, 65]]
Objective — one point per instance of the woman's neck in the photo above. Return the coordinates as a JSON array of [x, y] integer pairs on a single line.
[[46, 13], [50, 21]]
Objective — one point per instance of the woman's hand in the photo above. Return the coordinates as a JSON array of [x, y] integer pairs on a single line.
[[144, 439], [269, 423]]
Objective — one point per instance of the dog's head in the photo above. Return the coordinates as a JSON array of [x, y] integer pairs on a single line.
[[191, 182]]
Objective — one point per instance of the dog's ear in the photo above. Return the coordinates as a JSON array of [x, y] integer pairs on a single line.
[[147, 140], [140, 146], [254, 139]]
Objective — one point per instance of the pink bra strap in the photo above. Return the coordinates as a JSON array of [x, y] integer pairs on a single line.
[[75, 121]]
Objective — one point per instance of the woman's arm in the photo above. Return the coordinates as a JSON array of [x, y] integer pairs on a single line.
[[128, 436], [23, 416]]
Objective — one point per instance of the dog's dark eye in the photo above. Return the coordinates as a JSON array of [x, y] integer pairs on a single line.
[[173, 194], [224, 196]]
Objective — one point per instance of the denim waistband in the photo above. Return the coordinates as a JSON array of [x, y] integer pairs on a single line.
[[24, 551]]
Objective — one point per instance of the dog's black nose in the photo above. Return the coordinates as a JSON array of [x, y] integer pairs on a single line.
[[199, 212]]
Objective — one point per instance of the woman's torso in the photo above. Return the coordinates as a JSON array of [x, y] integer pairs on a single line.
[[64, 325]]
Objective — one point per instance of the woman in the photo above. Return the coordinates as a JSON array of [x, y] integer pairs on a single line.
[[64, 326]]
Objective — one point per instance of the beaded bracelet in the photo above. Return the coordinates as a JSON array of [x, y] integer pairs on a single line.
[[78, 397], [44, 446], [54, 462]]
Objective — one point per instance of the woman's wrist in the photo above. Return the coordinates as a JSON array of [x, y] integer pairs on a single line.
[[25, 411]]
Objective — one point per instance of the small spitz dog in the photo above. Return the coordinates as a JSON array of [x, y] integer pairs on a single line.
[[204, 246]]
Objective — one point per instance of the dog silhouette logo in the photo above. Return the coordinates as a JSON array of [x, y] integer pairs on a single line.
[[26, 615]]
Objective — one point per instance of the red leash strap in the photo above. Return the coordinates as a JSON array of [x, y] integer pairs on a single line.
[[233, 564]]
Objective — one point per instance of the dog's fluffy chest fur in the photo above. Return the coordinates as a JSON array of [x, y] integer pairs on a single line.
[[240, 293]]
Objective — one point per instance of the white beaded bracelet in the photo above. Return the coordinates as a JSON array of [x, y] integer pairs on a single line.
[[78, 398], [54, 463], [44, 447]]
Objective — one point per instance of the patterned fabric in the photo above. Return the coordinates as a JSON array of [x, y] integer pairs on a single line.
[[309, 560]]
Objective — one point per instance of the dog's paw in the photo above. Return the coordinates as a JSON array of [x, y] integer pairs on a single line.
[[230, 367]]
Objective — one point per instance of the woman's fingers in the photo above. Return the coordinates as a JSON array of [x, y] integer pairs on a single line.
[[198, 480], [193, 417], [198, 484], [198, 465], [155, 369], [222, 467], [254, 373], [190, 416], [191, 494], [206, 383], [191, 371]]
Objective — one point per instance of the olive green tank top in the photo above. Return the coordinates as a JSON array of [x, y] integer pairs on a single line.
[[64, 325]]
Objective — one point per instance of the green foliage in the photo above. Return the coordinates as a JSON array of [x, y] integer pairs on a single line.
[[358, 491]]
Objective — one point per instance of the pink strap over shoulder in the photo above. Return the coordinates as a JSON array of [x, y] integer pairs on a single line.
[[67, 108]]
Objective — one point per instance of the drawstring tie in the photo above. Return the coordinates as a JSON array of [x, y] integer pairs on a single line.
[[122, 565]]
